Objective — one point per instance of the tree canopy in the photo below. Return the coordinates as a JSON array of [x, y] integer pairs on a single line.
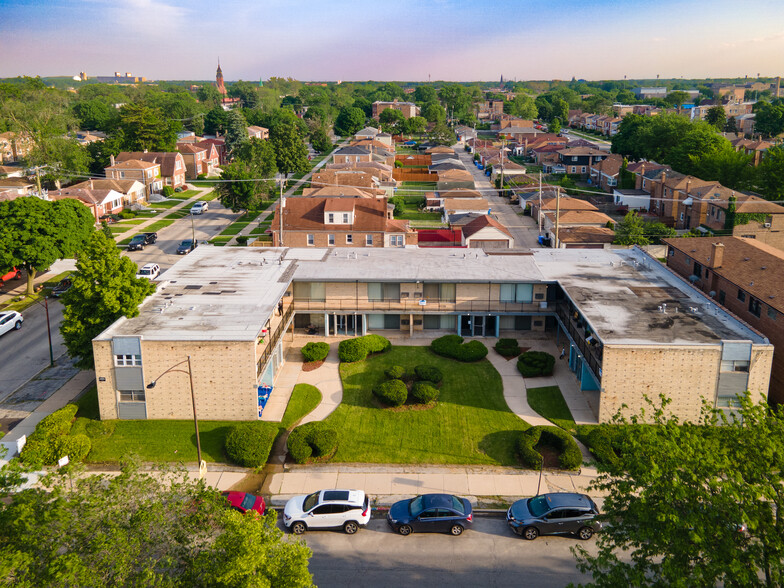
[[349, 121], [141, 529], [143, 128], [105, 287], [633, 230], [235, 132], [769, 117], [291, 154]]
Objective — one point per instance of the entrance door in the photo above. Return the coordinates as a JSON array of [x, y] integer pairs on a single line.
[[479, 326]]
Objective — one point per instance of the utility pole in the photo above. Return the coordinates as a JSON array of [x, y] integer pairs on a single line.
[[539, 210], [557, 213], [280, 209], [38, 180]]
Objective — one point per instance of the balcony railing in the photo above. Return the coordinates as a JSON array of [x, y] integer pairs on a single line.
[[414, 306], [591, 353], [272, 339]]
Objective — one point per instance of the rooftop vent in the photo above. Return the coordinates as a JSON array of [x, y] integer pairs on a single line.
[[193, 287]]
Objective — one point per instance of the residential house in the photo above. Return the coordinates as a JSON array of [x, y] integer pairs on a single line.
[[340, 222], [435, 200], [220, 146], [577, 160], [87, 137], [132, 191], [491, 109], [14, 146], [754, 217], [255, 132], [747, 278], [148, 173], [585, 237], [485, 232], [352, 155], [172, 165], [200, 159], [632, 199], [351, 177], [569, 219], [341, 192], [756, 149], [100, 202], [464, 206], [408, 109], [382, 171], [367, 133], [549, 203], [18, 186], [455, 178], [606, 172], [745, 124], [651, 92]]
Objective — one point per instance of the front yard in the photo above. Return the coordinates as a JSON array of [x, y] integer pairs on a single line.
[[471, 423]]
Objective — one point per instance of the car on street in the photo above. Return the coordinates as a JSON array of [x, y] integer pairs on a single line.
[[186, 247], [431, 513], [62, 287], [199, 207], [10, 320], [244, 502], [12, 274], [556, 513], [149, 271], [142, 240], [327, 509]]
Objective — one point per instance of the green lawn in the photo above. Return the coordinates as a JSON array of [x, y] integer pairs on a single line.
[[471, 424], [234, 229], [124, 241], [166, 204], [158, 225], [177, 214], [304, 398], [28, 301], [550, 403], [209, 196], [415, 215], [187, 194], [119, 229]]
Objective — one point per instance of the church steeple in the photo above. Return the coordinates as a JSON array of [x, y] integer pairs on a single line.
[[219, 80]]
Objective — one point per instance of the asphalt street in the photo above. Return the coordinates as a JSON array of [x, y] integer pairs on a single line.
[[488, 554]]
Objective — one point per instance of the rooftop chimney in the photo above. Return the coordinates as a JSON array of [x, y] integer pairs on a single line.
[[717, 255], [111, 160]]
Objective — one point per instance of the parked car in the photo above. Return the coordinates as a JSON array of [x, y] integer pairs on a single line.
[[243, 502], [62, 287], [556, 513], [10, 320], [12, 274], [149, 271], [431, 513], [150, 238], [186, 247], [141, 240], [327, 509], [199, 207]]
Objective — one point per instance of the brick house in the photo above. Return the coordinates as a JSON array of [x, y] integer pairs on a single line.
[[14, 146], [255, 132], [484, 232], [747, 278], [490, 109], [172, 165], [145, 172], [577, 160], [606, 172], [100, 202], [352, 155], [340, 222], [220, 147], [353, 177], [200, 159], [408, 109], [132, 190], [755, 218]]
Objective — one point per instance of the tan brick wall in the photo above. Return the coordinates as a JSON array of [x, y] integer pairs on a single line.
[[321, 239]]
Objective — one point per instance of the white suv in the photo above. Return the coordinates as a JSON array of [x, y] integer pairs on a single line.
[[149, 271], [327, 509], [199, 207]]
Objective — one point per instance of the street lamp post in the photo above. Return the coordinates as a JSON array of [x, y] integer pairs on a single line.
[[49, 332], [151, 385], [193, 230]]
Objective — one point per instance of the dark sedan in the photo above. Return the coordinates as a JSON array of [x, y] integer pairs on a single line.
[[186, 247], [243, 502], [556, 513], [431, 513]]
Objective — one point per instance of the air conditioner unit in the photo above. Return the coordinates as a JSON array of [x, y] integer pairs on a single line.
[[766, 225]]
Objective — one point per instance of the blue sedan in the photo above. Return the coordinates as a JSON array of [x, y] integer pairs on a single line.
[[431, 513]]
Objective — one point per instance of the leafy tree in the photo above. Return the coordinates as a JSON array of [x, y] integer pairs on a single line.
[[100, 152], [457, 99], [141, 529], [105, 287], [716, 117], [731, 126], [554, 126], [441, 134], [291, 154], [236, 132], [208, 95], [260, 157], [365, 105], [349, 121], [36, 233], [769, 117], [145, 128], [316, 113], [631, 230], [424, 94], [677, 494], [321, 141], [770, 174], [246, 92], [677, 98], [433, 112], [215, 121], [415, 125], [96, 115], [240, 189], [731, 168], [523, 106], [61, 158], [700, 140], [392, 121]]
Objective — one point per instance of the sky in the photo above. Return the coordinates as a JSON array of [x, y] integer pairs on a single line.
[[402, 40]]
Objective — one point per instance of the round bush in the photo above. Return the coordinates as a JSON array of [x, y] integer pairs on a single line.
[[316, 439], [532, 364], [508, 347], [392, 392], [471, 351], [167, 191], [58, 423], [453, 346], [376, 343], [429, 373], [424, 392], [446, 345], [600, 441], [242, 239], [570, 457], [39, 451], [396, 372], [76, 447], [352, 350], [249, 444], [315, 351]]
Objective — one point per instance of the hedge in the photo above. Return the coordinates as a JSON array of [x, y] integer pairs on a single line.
[[167, 191], [453, 346], [508, 347], [601, 441], [76, 447], [316, 439], [532, 364], [249, 444], [392, 392], [50, 441], [570, 457], [424, 392], [315, 351], [395, 372], [429, 373], [58, 423], [358, 348]]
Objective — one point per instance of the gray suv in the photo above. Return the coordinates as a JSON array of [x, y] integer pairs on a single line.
[[556, 513]]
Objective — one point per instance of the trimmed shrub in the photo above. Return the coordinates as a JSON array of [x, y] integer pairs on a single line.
[[96, 429], [392, 392], [429, 373], [396, 372], [249, 444], [242, 239], [601, 443], [352, 350], [58, 423], [76, 447], [167, 191], [532, 364], [424, 392], [376, 343], [312, 440], [45, 445], [39, 451], [570, 457], [178, 189], [126, 214], [453, 346], [315, 351], [201, 177], [508, 347]]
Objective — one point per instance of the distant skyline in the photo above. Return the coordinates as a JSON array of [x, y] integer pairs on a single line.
[[405, 40]]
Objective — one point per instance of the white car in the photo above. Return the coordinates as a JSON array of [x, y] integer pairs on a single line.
[[10, 320], [199, 207], [149, 271], [327, 509]]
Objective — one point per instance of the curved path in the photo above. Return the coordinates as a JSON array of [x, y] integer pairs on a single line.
[[327, 379]]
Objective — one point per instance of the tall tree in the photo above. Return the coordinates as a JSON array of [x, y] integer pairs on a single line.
[[239, 190], [523, 106], [731, 168], [441, 134], [433, 112], [392, 120], [770, 174], [677, 98], [105, 287], [145, 128], [36, 233], [693, 504], [631, 230], [291, 155], [349, 121], [425, 94], [141, 529], [320, 141], [769, 117], [716, 117], [215, 121], [236, 132]]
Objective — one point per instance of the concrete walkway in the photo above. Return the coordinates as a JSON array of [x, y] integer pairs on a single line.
[[327, 379]]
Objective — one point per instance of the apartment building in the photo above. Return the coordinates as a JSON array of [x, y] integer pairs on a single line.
[[630, 327]]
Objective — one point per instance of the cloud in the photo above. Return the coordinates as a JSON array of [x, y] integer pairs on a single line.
[[148, 18]]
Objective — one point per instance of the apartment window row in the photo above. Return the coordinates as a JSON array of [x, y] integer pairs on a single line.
[[311, 239], [440, 292], [127, 360], [519, 293], [131, 395], [313, 291]]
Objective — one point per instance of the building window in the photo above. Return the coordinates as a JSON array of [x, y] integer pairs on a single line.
[[722, 296], [574, 158], [345, 217], [583, 169], [131, 395], [349, 239], [698, 269], [741, 295], [312, 291], [369, 240], [331, 239], [735, 366], [518, 293], [127, 360], [755, 307], [330, 218], [681, 216], [384, 292], [396, 240], [311, 240], [440, 292]]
